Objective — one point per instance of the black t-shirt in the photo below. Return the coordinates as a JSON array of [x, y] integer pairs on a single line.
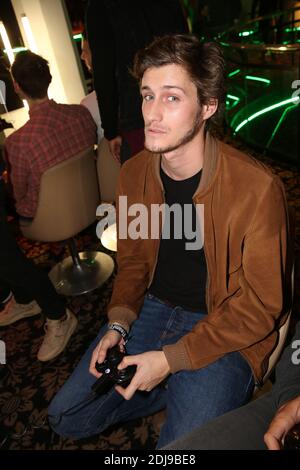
[[180, 275]]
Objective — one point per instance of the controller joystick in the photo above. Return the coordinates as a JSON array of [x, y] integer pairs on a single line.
[[111, 375]]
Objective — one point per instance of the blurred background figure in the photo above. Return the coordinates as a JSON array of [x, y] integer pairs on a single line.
[[116, 29], [267, 26], [108, 167], [215, 17], [90, 101]]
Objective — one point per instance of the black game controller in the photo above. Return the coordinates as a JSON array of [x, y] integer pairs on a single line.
[[111, 375]]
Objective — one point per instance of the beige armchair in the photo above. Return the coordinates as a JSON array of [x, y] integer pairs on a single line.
[[68, 199]]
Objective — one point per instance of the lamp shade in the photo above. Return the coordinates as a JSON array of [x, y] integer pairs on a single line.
[[109, 238]]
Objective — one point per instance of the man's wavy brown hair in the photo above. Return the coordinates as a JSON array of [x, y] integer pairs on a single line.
[[204, 62]]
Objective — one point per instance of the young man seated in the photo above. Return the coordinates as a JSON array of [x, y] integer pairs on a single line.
[[200, 287]]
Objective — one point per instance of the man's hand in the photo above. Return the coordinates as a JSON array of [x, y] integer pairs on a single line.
[[109, 340], [286, 417], [115, 147], [152, 368]]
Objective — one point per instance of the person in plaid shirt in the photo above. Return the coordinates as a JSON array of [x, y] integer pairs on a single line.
[[54, 132]]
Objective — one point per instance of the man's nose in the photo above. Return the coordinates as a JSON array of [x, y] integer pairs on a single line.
[[154, 111]]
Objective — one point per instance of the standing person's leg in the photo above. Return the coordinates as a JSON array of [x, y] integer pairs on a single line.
[[29, 285], [240, 429], [27, 281]]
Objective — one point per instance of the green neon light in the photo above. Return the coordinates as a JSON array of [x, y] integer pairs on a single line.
[[232, 97], [16, 49], [235, 72], [288, 30], [77, 36], [231, 104], [295, 99], [246, 33], [225, 44], [281, 119], [258, 79]]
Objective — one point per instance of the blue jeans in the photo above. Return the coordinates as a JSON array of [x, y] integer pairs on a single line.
[[191, 397]]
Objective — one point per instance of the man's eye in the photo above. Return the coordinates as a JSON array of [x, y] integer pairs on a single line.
[[172, 98], [147, 97]]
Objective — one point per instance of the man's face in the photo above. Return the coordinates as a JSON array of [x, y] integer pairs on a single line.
[[171, 110]]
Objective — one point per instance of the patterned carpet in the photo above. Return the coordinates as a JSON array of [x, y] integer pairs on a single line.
[[28, 386]]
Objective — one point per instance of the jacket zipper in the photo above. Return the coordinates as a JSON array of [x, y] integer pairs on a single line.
[[207, 296], [157, 250], [155, 263]]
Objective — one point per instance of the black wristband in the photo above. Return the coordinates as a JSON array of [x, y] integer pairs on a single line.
[[120, 329]]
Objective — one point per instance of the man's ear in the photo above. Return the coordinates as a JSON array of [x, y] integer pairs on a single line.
[[210, 108]]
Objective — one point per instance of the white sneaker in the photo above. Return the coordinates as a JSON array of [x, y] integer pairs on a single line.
[[58, 333], [14, 311]]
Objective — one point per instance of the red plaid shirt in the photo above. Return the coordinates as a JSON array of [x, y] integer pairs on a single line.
[[53, 133]]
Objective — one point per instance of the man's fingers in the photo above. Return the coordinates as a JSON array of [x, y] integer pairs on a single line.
[[116, 156], [115, 147], [101, 355], [128, 392], [92, 368], [128, 361], [271, 442]]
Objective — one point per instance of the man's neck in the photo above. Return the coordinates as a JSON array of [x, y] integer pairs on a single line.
[[32, 103], [185, 161]]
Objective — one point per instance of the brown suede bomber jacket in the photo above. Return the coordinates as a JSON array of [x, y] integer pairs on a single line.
[[246, 250]]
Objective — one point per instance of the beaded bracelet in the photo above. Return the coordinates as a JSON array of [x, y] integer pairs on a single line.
[[120, 329]]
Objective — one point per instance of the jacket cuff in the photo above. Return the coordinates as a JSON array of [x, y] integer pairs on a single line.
[[177, 357], [122, 315]]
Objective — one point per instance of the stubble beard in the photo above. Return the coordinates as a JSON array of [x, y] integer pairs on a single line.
[[189, 135]]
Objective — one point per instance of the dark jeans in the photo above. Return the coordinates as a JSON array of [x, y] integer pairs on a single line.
[[192, 397], [21, 276]]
